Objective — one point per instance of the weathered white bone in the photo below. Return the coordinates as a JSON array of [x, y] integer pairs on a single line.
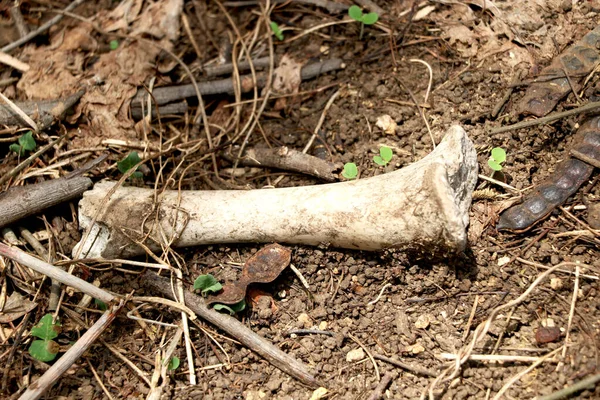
[[423, 207]]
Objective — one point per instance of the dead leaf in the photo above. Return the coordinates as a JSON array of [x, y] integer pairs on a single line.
[[16, 306]]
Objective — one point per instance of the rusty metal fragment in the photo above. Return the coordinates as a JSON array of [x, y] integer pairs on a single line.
[[263, 267], [552, 84]]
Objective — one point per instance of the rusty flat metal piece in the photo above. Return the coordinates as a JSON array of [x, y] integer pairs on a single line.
[[263, 267]]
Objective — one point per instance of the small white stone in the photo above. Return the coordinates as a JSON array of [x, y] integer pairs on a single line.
[[415, 349], [503, 260], [318, 393], [386, 124], [556, 283], [323, 325], [355, 355], [423, 321], [304, 318]]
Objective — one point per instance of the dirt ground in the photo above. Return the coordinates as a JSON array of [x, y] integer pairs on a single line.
[[415, 310]]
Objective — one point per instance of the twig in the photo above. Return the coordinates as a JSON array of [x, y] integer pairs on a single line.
[[290, 160], [300, 276], [383, 384], [167, 94], [330, 6], [233, 327], [585, 158], [492, 358], [224, 69], [380, 294], [13, 62], [321, 120], [377, 375], [518, 376], [21, 201], [17, 17], [45, 111], [50, 377], [19, 112], [586, 383], [471, 316], [55, 273], [547, 119], [10, 47], [407, 367], [570, 320]]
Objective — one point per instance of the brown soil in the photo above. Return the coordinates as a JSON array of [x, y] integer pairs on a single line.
[[396, 306]]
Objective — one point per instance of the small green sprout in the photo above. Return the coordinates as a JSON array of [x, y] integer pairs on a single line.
[[100, 304], [384, 157], [26, 143], [276, 30], [231, 309], [497, 157], [207, 284], [173, 363], [365, 19], [350, 171], [129, 162], [45, 349], [113, 44]]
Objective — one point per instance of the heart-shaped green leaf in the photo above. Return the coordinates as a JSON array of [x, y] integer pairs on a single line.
[[45, 329], [494, 165], [231, 309], [499, 155], [370, 18], [386, 153], [44, 350], [350, 171], [207, 284], [355, 13]]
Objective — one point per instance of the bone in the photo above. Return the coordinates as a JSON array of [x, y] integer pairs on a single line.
[[422, 207]]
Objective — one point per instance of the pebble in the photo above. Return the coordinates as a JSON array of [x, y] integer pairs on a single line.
[[355, 355]]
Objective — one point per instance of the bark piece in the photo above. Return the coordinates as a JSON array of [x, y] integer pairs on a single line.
[[422, 207]]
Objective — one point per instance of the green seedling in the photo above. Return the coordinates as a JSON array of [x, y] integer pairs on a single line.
[[45, 349], [276, 30], [113, 44], [231, 309], [207, 284], [365, 19], [100, 304], [384, 157], [496, 159], [26, 143], [129, 162], [350, 171], [173, 363]]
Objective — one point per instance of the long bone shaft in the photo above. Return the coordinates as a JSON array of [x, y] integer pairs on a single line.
[[423, 206]]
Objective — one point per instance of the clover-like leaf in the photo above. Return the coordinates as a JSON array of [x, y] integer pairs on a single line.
[[207, 284], [494, 165], [379, 161], [370, 18], [113, 44], [231, 309], [355, 13], [386, 153], [129, 162], [44, 350], [26, 143], [350, 171], [499, 155], [173, 363], [45, 329]]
